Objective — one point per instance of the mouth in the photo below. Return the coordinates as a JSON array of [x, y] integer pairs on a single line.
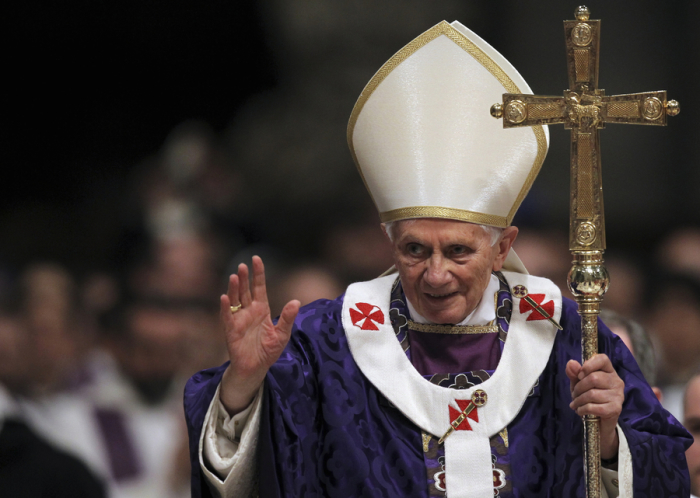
[[440, 296]]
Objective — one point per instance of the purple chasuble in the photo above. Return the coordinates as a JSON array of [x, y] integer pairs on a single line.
[[326, 431]]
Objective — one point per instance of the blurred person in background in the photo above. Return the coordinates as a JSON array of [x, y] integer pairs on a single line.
[[673, 319], [15, 370], [545, 253], [57, 360], [691, 420], [306, 283], [135, 396], [673, 314], [356, 251], [679, 252], [125, 420], [202, 342], [188, 185], [181, 266], [52, 317], [57, 357], [627, 286], [30, 466], [638, 342]]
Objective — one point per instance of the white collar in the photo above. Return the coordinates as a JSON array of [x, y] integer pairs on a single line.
[[483, 314], [382, 360]]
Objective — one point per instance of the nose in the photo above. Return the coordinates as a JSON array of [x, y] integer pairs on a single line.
[[437, 273]]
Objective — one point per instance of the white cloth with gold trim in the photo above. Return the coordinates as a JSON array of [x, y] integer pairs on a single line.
[[423, 138], [234, 463], [467, 453]]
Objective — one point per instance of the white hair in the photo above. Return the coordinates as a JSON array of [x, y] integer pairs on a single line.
[[493, 232]]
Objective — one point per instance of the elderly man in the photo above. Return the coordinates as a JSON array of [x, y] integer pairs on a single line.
[[443, 379]]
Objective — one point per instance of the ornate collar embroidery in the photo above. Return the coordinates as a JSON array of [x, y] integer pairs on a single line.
[[503, 303], [491, 328]]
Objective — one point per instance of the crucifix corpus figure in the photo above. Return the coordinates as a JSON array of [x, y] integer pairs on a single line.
[[585, 109]]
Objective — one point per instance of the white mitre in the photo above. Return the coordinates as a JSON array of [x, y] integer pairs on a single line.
[[425, 143]]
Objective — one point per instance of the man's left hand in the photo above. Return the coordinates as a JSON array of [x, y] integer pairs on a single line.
[[596, 389]]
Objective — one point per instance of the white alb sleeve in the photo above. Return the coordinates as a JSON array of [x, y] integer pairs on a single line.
[[618, 483], [228, 445]]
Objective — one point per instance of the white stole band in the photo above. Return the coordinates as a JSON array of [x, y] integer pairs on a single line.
[[382, 360]]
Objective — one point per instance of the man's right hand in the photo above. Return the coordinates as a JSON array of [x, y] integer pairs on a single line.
[[254, 343]]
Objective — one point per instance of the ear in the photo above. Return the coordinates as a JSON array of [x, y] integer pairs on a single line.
[[383, 225], [502, 247]]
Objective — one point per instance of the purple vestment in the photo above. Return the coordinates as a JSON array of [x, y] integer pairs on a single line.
[[326, 431]]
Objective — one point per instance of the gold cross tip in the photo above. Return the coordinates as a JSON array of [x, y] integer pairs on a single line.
[[582, 13], [673, 108], [497, 110]]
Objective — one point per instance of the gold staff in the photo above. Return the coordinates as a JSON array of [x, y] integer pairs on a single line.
[[584, 109]]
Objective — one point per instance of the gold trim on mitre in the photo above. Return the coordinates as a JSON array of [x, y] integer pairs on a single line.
[[442, 212], [444, 28]]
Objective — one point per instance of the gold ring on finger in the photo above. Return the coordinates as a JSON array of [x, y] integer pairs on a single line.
[[235, 309]]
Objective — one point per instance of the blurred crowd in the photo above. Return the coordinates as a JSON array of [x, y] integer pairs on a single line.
[[94, 360], [96, 363]]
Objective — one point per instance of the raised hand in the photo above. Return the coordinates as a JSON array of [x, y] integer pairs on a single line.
[[254, 343], [596, 389]]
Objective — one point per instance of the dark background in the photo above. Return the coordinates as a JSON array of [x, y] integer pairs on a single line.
[[97, 87]]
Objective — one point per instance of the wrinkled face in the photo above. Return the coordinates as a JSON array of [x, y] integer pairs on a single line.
[[691, 421], [445, 265]]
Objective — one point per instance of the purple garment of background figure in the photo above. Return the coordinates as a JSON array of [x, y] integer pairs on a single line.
[[326, 431]]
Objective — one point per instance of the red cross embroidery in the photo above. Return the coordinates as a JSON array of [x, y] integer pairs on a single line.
[[454, 414], [499, 480], [536, 315], [365, 318]]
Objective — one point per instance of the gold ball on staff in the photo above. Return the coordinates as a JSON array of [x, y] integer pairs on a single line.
[[673, 108], [582, 13], [497, 111]]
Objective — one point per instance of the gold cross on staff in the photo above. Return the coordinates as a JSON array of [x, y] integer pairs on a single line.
[[585, 109]]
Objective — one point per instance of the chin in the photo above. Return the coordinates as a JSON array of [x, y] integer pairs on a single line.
[[445, 317], [453, 312]]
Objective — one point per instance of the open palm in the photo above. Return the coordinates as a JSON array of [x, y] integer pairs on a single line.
[[254, 343]]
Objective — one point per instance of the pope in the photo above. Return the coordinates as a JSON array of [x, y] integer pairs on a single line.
[[456, 372]]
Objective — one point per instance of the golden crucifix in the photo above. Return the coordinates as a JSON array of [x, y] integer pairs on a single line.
[[585, 109]]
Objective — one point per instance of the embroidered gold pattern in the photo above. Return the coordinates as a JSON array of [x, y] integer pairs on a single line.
[[444, 28], [426, 442], [504, 436], [453, 329]]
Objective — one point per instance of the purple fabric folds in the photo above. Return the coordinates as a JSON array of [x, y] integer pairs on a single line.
[[327, 432], [442, 353]]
